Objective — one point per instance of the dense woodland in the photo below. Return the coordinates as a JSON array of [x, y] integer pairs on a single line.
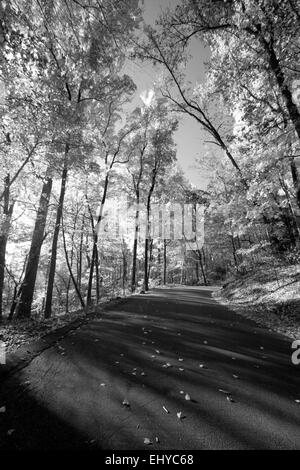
[[71, 141]]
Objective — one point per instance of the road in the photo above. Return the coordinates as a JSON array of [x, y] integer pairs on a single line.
[[153, 353]]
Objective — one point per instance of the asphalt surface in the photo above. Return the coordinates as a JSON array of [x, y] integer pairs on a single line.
[[122, 378]]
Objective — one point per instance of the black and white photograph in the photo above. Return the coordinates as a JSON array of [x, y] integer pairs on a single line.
[[149, 228]]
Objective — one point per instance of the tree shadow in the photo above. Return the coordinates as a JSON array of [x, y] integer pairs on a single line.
[[149, 353]]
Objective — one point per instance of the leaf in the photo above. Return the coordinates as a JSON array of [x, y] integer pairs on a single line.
[[179, 415], [103, 385], [202, 366], [224, 391], [181, 392], [297, 401], [187, 397], [126, 403], [167, 365], [157, 440], [10, 432], [180, 359], [181, 369], [205, 342], [3, 409], [147, 441], [235, 376], [157, 351], [231, 400]]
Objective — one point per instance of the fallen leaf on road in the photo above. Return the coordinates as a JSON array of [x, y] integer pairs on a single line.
[[262, 348], [157, 351], [202, 366], [180, 359], [147, 441], [297, 401], [10, 432], [2, 409], [167, 365], [181, 369], [187, 397], [157, 440], [235, 376], [126, 403], [205, 342], [224, 391], [230, 399], [143, 373], [179, 415], [181, 392]]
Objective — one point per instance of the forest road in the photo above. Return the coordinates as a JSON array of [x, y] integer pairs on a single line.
[[172, 366]]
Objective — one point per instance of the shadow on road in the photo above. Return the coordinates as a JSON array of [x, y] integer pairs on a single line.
[[152, 352]]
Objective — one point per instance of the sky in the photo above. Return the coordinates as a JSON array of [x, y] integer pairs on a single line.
[[188, 137]]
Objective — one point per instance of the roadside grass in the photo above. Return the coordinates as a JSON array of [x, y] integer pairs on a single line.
[[270, 296]]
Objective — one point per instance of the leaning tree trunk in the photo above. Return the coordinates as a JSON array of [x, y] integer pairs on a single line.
[[49, 295], [4, 231], [292, 107], [27, 287]]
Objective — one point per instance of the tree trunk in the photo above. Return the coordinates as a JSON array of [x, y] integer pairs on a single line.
[[135, 243], [70, 268], [94, 259], [296, 180], [79, 256], [147, 235], [4, 231], [202, 267], [48, 306], [27, 288], [285, 91], [165, 262]]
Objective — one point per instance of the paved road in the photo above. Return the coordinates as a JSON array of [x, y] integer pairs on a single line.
[[152, 351]]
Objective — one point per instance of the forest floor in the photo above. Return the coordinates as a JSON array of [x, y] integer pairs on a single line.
[[21, 332], [270, 297]]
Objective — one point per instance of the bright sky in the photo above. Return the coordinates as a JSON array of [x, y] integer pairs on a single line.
[[188, 139]]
